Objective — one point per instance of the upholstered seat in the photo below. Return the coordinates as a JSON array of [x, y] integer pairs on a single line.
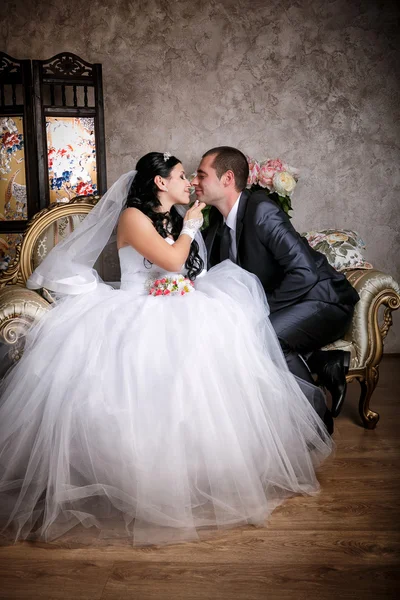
[[20, 307]]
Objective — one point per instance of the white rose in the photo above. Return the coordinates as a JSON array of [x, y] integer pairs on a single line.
[[284, 183]]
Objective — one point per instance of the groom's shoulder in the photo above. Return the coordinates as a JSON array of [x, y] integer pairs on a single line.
[[259, 204], [261, 197]]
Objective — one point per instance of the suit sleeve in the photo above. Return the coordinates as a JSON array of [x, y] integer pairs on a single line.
[[279, 237]]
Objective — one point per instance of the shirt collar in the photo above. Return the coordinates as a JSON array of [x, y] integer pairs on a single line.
[[231, 218]]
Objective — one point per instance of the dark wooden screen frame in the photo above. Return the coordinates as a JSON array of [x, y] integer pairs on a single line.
[[14, 72], [68, 70]]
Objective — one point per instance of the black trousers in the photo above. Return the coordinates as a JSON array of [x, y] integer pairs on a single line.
[[306, 327]]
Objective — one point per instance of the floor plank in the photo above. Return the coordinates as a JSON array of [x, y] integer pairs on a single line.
[[31, 578], [273, 547], [287, 581]]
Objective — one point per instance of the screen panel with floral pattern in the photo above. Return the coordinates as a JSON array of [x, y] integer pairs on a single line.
[[71, 149], [13, 200]]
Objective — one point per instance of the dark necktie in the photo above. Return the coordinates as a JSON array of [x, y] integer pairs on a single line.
[[225, 242]]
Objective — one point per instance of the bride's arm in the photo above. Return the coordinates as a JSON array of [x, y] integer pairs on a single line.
[[137, 230]]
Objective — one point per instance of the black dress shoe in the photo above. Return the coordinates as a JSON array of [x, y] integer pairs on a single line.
[[331, 367], [328, 420]]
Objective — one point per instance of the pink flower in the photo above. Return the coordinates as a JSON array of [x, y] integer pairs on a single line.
[[275, 164], [254, 170], [268, 168], [265, 177], [170, 287]]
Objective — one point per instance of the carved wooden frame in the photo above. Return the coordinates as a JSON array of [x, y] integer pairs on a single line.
[[368, 376], [20, 307], [22, 267]]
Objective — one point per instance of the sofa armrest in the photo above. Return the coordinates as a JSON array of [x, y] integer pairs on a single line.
[[370, 325], [19, 309]]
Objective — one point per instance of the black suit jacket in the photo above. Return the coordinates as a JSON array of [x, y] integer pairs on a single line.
[[269, 246]]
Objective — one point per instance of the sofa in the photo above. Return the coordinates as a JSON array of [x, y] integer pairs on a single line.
[[20, 307]]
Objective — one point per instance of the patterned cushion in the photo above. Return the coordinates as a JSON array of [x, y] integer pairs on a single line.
[[343, 248]]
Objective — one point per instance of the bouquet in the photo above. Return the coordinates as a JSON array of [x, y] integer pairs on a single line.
[[276, 177], [177, 285]]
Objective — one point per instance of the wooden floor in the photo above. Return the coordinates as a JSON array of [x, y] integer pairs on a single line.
[[342, 544]]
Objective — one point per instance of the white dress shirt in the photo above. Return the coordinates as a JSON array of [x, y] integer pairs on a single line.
[[231, 222]]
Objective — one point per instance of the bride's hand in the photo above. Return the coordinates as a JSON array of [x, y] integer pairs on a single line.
[[193, 220], [194, 211]]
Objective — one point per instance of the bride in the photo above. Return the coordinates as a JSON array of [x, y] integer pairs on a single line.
[[158, 408]]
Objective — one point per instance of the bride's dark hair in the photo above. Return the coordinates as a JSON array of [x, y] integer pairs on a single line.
[[143, 195]]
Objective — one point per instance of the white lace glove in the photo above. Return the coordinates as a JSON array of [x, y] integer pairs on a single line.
[[191, 227]]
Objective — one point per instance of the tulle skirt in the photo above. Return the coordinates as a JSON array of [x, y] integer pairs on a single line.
[[153, 417]]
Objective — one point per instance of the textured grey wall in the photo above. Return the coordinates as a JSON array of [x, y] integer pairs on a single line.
[[315, 82]]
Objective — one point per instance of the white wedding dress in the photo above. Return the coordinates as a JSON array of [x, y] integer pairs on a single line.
[[154, 416]]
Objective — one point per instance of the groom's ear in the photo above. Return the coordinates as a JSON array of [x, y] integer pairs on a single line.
[[228, 178]]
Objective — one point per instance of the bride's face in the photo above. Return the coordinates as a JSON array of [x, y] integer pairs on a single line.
[[178, 186]]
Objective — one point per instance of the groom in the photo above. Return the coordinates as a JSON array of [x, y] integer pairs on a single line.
[[311, 304]]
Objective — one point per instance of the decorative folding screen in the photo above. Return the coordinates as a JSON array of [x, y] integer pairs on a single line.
[[52, 144], [69, 116], [18, 155]]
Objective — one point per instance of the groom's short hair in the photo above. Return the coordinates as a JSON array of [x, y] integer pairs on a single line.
[[230, 159]]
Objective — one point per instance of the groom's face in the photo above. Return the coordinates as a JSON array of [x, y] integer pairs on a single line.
[[208, 187]]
